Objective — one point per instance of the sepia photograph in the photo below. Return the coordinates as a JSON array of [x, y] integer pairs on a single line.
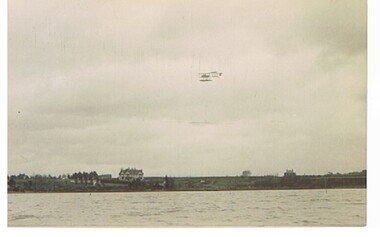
[[187, 113]]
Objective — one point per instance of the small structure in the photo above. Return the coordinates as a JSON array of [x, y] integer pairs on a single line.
[[105, 176], [131, 174], [289, 173], [246, 173]]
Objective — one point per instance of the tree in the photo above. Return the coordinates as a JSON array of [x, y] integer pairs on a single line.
[[93, 176], [22, 176], [75, 177], [80, 177], [11, 182], [85, 176], [169, 183]]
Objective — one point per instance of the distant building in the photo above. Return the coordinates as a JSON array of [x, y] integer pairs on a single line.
[[289, 173], [246, 173], [105, 176], [131, 174], [63, 176]]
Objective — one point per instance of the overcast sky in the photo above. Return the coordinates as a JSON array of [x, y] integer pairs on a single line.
[[103, 85]]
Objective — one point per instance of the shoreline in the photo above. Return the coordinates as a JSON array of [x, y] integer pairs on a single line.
[[151, 191]]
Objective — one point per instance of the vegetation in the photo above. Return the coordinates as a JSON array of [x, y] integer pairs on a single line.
[[169, 183], [85, 177], [90, 182]]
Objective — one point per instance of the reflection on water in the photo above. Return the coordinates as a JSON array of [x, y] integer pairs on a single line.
[[345, 207]]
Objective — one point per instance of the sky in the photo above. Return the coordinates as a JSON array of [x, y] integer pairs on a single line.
[[104, 85]]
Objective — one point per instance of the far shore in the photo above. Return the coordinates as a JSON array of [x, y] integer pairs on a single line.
[[160, 191], [73, 184]]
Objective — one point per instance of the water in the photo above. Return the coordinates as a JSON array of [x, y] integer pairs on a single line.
[[340, 207]]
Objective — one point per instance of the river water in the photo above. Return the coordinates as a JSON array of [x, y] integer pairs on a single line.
[[338, 207]]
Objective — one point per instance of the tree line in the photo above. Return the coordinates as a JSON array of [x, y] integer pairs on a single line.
[[84, 177]]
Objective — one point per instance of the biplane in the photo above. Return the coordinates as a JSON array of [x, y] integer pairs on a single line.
[[207, 76]]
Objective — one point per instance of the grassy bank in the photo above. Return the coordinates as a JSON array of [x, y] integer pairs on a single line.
[[221, 183]]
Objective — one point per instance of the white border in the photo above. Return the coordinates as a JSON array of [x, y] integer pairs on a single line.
[[373, 128], [3, 117], [373, 165]]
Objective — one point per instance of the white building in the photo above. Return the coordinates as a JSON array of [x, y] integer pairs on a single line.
[[131, 174], [290, 173], [105, 176]]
